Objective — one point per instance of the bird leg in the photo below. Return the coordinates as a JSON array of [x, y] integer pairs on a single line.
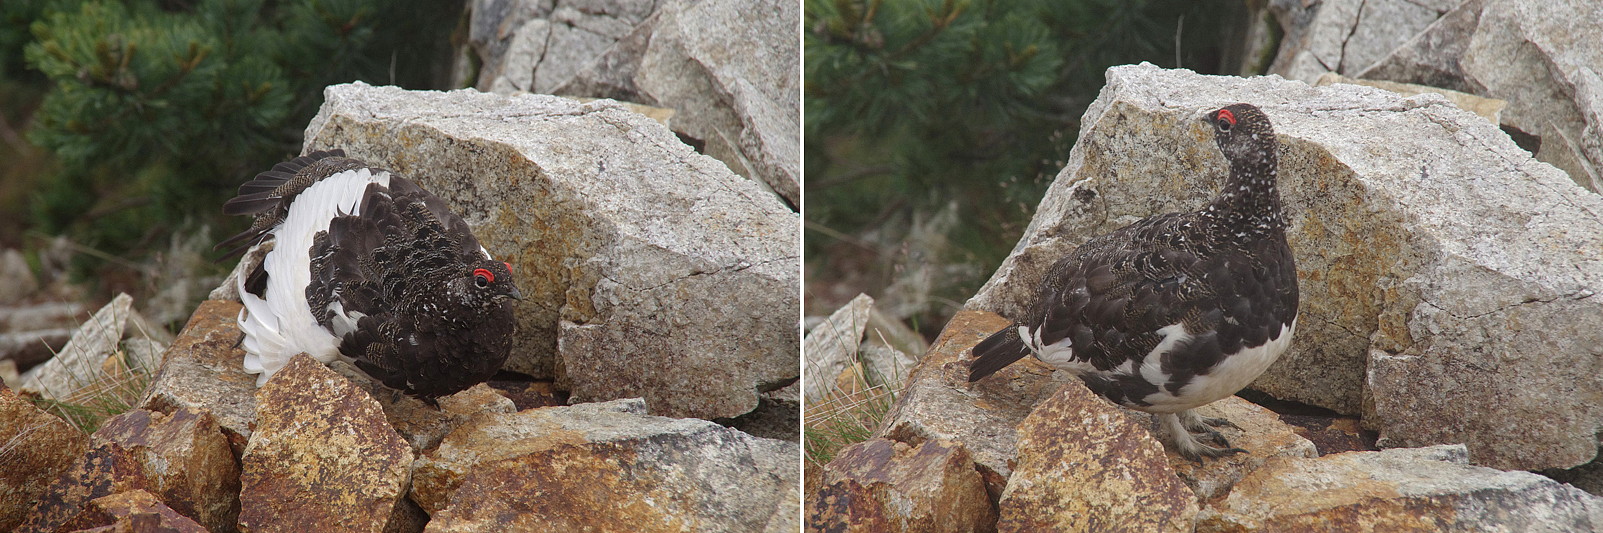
[[1204, 426], [1177, 434], [1199, 424]]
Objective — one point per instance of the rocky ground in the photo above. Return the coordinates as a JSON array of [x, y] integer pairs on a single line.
[[656, 355], [317, 448], [1449, 336]]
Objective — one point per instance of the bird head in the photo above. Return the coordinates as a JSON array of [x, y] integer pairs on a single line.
[[1243, 132], [489, 282]]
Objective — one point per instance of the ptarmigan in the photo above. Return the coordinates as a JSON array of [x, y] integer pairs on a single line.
[[1176, 310], [366, 266]]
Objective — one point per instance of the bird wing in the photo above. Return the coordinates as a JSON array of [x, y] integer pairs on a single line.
[[1110, 298], [369, 267], [270, 193]]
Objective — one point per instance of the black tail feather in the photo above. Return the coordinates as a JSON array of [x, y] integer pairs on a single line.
[[262, 196], [996, 352], [250, 204]]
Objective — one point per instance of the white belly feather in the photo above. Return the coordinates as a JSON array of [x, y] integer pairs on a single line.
[[1228, 377]]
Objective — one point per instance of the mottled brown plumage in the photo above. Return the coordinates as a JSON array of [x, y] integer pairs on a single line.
[[394, 281], [1176, 310]]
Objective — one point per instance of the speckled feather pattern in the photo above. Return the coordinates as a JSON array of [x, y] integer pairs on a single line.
[[1142, 312], [393, 279]]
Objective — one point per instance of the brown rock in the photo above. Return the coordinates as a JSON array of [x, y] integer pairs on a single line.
[[134, 511], [420, 424], [531, 394], [606, 467], [477, 399], [321, 457], [846, 506], [884, 485], [106, 469], [1084, 465], [939, 403], [1262, 434], [1405, 489], [202, 371], [1332, 434], [187, 460], [34, 448]]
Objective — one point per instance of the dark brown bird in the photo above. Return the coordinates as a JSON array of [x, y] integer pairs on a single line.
[[368, 267], [1176, 310]]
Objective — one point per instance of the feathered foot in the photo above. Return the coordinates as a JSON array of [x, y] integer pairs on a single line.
[[1178, 428]]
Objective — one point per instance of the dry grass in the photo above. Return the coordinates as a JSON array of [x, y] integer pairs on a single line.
[[851, 413], [101, 397], [113, 387]]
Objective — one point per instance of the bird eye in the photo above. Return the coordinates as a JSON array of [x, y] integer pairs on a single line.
[[1227, 120], [482, 278]]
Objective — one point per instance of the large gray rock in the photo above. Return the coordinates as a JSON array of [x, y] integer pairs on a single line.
[[1532, 54], [1411, 489], [1346, 36], [538, 45], [671, 278], [607, 467], [1447, 277], [1538, 57], [1431, 58], [730, 68]]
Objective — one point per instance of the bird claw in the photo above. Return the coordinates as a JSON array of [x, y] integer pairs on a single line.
[[1214, 436], [1185, 430], [1204, 424], [1195, 455], [1219, 423]]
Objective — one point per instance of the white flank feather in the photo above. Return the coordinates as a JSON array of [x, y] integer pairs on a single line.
[[281, 325]]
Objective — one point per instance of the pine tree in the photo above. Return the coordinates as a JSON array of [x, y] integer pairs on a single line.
[[157, 110], [919, 111]]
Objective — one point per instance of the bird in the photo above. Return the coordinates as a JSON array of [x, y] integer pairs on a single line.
[[1177, 310], [363, 265]]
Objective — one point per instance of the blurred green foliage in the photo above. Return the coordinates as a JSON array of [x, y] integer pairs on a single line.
[[923, 110], [155, 110]]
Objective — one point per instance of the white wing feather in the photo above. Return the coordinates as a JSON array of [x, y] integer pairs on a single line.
[[281, 325]]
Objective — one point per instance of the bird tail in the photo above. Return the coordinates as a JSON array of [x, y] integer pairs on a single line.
[[263, 194], [997, 351]]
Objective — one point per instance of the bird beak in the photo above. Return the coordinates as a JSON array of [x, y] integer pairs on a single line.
[[515, 294]]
